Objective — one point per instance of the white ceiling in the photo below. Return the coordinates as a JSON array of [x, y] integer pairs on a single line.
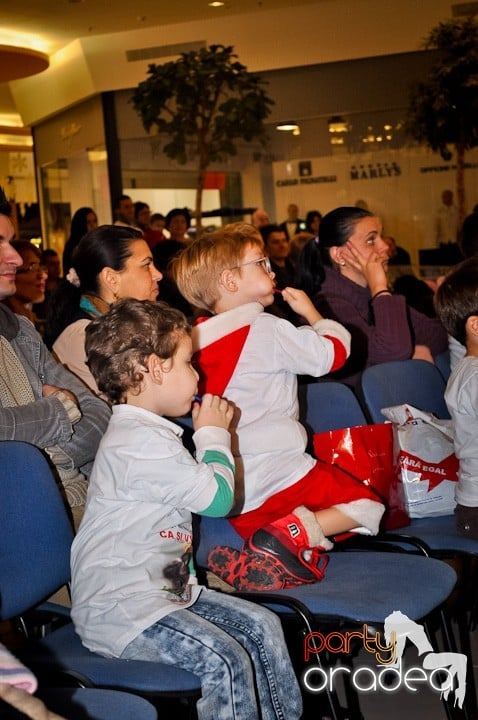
[[55, 23], [87, 40]]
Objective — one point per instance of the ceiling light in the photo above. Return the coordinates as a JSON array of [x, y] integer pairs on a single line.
[[17, 141], [216, 3], [288, 126], [11, 120], [337, 124], [20, 62]]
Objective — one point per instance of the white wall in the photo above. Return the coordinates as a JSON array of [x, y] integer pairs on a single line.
[[403, 187]]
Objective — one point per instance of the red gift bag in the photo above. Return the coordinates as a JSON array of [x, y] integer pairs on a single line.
[[370, 454]]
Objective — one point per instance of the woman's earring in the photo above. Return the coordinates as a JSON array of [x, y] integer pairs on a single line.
[[342, 263]]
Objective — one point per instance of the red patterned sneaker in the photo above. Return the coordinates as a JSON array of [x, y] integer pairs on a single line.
[[245, 571], [297, 545]]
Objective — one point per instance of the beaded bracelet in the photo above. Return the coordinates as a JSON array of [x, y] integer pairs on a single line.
[[380, 292]]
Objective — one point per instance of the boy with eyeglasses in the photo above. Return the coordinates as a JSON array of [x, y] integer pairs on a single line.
[[290, 502]]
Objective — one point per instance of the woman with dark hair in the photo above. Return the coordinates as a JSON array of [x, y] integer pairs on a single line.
[[312, 222], [30, 283], [110, 263], [142, 215], [344, 272], [178, 221], [82, 222]]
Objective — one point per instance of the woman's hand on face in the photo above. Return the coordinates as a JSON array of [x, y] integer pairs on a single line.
[[369, 264], [212, 410]]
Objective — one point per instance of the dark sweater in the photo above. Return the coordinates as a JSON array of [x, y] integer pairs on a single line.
[[384, 330]]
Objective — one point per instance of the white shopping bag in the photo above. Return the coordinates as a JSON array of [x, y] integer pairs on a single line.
[[428, 463]]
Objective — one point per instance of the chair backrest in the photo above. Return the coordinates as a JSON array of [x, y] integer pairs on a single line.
[[212, 531], [35, 530], [442, 361], [329, 406], [416, 382]]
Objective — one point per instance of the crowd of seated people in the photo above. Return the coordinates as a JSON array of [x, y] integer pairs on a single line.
[[329, 273]]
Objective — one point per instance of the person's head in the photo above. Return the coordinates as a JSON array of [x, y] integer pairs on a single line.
[[157, 222], [115, 262], [110, 262], [10, 259], [260, 218], [225, 267], [392, 245], [362, 204], [140, 352], [83, 220], [124, 209], [456, 301], [292, 212], [468, 240], [341, 226], [177, 222], [276, 243], [31, 275], [142, 215], [447, 198], [312, 222], [51, 261]]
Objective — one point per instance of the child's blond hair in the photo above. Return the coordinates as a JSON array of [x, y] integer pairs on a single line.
[[197, 269]]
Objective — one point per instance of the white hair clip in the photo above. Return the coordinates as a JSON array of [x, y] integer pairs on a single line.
[[72, 277]]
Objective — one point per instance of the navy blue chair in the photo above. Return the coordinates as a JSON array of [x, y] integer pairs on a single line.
[[35, 540], [359, 588], [416, 382], [422, 385], [442, 361], [329, 406], [95, 704]]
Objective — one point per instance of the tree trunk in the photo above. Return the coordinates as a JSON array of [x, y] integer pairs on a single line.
[[460, 182], [198, 209]]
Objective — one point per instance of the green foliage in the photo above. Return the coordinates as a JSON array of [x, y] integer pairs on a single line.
[[204, 102], [443, 109]]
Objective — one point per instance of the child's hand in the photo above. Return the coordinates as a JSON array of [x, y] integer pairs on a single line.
[[213, 410], [300, 303]]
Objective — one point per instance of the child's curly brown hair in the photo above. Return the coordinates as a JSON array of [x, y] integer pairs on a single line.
[[119, 343]]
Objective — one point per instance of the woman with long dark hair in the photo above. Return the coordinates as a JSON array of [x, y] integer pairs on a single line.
[[83, 221], [344, 271], [110, 263]]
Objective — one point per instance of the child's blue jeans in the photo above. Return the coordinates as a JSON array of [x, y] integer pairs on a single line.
[[237, 648]]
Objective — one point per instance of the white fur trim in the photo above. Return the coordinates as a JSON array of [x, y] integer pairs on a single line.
[[214, 328], [367, 513], [314, 531]]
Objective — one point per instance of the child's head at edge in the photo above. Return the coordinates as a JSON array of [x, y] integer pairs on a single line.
[[202, 270], [134, 344], [456, 303]]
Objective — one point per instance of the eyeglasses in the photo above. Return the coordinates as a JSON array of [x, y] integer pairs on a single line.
[[264, 263], [33, 267]]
